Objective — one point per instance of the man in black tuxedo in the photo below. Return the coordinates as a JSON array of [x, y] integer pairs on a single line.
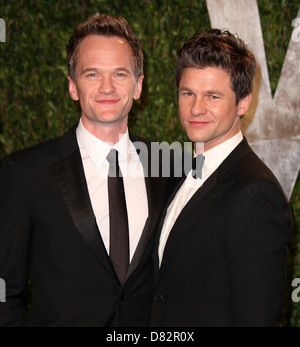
[[221, 251], [57, 213]]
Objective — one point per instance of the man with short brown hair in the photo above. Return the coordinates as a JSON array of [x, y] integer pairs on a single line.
[[71, 214], [221, 253]]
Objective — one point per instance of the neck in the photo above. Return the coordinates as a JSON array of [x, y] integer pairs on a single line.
[[107, 133]]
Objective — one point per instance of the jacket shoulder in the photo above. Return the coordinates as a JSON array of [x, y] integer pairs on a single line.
[[46, 151], [252, 168]]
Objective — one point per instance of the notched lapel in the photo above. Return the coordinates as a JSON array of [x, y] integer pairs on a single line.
[[203, 201], [199, 205], [217, 185], [72, 184]]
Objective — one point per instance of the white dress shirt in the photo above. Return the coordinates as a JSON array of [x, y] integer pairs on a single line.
[[94, 152], [213, 158]]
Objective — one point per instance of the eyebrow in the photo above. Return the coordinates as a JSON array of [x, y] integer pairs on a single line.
[[208, 92], [184, 88], [217, 92], [88, 69]]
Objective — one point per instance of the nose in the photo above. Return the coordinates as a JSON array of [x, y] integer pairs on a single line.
[[106, 85], [198, 107]]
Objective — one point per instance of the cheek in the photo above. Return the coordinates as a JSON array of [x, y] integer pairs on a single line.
[[183, 109], [183, 121], [87, 94], [227, 116], [181, 115]]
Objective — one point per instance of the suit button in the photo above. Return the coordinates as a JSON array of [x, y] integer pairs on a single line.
[[158, 298], [122, 295]]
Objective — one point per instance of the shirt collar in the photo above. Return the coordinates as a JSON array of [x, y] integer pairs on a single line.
[[98, 150], [215, 156]]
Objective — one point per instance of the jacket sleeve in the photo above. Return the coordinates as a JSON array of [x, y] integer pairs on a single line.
[[258, 233], [15, 228]]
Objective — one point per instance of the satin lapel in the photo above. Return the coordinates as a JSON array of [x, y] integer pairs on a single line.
[[199, 205], [71, 180]]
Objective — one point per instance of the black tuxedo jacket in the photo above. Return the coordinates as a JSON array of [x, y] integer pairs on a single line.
[[47, 225], [225, 261]]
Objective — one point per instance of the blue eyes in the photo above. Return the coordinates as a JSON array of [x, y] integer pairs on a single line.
[[188, 94], [209, 96], [120, 74], [117, 75]]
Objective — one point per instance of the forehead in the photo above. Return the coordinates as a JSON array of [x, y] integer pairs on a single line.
[[102, 49], [200, 78]]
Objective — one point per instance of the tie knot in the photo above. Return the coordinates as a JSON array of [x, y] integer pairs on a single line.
[[112, 157]]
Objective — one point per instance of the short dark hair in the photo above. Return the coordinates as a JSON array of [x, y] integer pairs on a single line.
[[219, 49], [105, 25]]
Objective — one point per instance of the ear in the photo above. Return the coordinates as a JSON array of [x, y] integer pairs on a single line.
[[138, 88], [73, 89], [244, 105]]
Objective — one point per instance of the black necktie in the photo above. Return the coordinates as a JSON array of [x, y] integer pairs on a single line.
[[118, 220]]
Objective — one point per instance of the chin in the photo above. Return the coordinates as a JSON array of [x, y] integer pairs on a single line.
[[195, 137]]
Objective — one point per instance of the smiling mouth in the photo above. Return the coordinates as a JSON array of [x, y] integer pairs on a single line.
[[107, 101], [198, 124]]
